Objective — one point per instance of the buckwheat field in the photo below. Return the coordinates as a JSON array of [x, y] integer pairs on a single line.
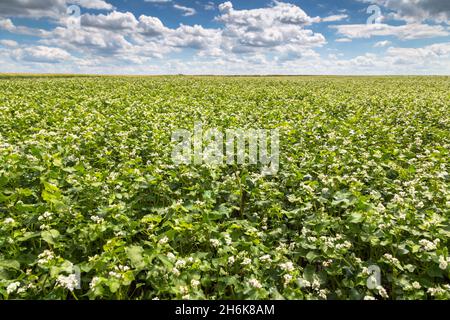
[[92, 205]]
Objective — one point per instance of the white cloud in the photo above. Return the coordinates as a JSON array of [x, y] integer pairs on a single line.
[[112, 21], [41, 54], [186, 10], [92, 4], [210, 6], [404, 32], [55, 9], [272, 28], [382, 44], [8, 25], [334, 18], [416, 10], [343, 40], [8, 43]]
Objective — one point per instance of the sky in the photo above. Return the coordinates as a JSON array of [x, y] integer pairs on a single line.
[[351, 37]]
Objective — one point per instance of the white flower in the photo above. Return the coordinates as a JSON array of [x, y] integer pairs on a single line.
[[94, 282], [382, 292], [265, 258], [184, 290], [171, 256], [428, 245], [255, 283], [12, 287], [122, 268], [323, 294], [215, 243], [228, 240], [97, 219], [45, 257], [115, 274], [369, 298], [303, 283], [288, 266], [45, 216], [163, 240], [9, 221], [443, 263], [246, 261], [180, 263], [416, 285], [287, 279], [176, 272], [195, 283], [231, 260], [315, 284], [69, 282]]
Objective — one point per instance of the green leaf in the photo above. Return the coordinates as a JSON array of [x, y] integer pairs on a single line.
[[50, 236]]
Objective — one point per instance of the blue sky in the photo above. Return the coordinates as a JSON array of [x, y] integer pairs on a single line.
[[225, 37]]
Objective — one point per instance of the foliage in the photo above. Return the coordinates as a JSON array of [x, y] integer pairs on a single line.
[[87, 184]]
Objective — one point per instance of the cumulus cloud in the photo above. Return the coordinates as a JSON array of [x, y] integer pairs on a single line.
[[382, 44], [92, 4], [283, 24], [187, 11], [334, 18], [404, 32], [46, 8], [41, 54], [416, 10], [8, 43], [112, 21]]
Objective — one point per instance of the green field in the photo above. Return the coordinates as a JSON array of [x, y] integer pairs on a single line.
[[93, 207]]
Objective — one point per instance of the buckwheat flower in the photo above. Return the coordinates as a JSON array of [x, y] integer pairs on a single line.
[[69, 282], [327, 263], [215, 243], [195, 283], [45, 216], [163, 241], [115, 274], [369, 298], [303, 283], [231, 260], [287, 279], [94, 282], [122, 268], [180, 263], [155, 298], [9, 221], [176, 272], [315, 284], [427, 245], [184, 290], [190, 260], [255, 283], [443, 263], [228, 240], [45, 257], [246, 261], [288, 266], [186, 297], [382, 292], [416, 285], [265, 258], [12, 287], [97, 219], [171, 256], [323, 294]]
